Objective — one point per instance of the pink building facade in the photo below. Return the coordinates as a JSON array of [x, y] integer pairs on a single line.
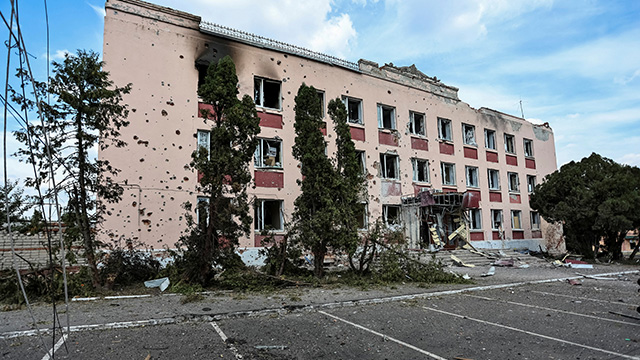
[[413, 131]]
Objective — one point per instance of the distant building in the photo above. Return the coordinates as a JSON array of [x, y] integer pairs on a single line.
[[412, 131]]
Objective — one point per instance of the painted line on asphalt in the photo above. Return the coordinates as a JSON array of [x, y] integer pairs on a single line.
[[386, 337], [224, 338], [586, 298], [532, 333], [551, 309], [51, 353], [284, 310]]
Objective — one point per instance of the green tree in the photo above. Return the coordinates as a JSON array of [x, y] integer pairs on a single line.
[[15, 203], [86, 111], [595, 199], [325, 210], [224, 173]]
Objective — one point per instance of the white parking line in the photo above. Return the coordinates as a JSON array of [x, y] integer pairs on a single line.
[[50, 354], [586, 298], [224, 339], [424, 352], [556, 310], [532, 333]]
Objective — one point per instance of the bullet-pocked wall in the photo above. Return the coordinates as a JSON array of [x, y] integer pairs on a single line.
[[413, 131]]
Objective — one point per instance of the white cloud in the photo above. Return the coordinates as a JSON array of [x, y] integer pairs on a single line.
[[308, 24], [99, 10], [59, 54], [624, 80], [630, 159]]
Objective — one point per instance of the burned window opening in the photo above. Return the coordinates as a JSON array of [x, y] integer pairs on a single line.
[[444, 129], [416, 124], [472, 176], [386, 117], [509, 144], [391, 214], [320, 95], [496, 220], [267, 93], [354, 110], [420, 170], [494, 179], [268, 154], [389, 166], [514, 182], [490, 139], [448, 173], [268, 215], [469, 134], [202, 72], [528, 147]]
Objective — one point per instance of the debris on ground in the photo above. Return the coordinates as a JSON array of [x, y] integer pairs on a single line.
[[459, 262], [162, 283], [491, 272], [574, 282], [504, 262], [271, 347]]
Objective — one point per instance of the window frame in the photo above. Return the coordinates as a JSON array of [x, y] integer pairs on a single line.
[[444, 128], [199, 216], [490, 134], [348, 99], [472, 141], [475, 219], [365, 217], [528, 150], [467, 168], [509, 139], [515, 175], [258, 221], [513, 219], [321, 97], [412, 122], [385, 214], [383, 165], [258, 155], [530, 188], [416, 172], [442, 173], [258, 94], [392, 117], [535, 215], [491, 181], [200, 135], [498, 212], [361, 156]]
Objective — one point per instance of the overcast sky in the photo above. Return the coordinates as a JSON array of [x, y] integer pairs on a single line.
[[574, 64]]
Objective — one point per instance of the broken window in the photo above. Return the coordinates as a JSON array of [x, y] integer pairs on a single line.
[[472, 176], [354, 110], [202, 73], [448, 174], [268, 154], [420, 170], [266, 93], [416, 123], [531, 183], [386, 117], [444, 129], [514, 182], [528, 147], [509, 144], [389, 164], [494, 179], [204, 140], [268, 215], [535, 220], [202, 211], [360, 155], [320, 94], [391, 214], [475, 219], [362, 216], [516, 219], [490, 139], [496, 219], [469, 134]]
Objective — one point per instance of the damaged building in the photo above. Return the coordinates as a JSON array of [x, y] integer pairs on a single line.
[[442, 170]]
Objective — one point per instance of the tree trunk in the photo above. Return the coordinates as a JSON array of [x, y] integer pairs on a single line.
[[635, 250], [318, 261], [83, 217]]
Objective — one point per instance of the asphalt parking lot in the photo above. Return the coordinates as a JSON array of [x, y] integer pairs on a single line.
[[544, 320]]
